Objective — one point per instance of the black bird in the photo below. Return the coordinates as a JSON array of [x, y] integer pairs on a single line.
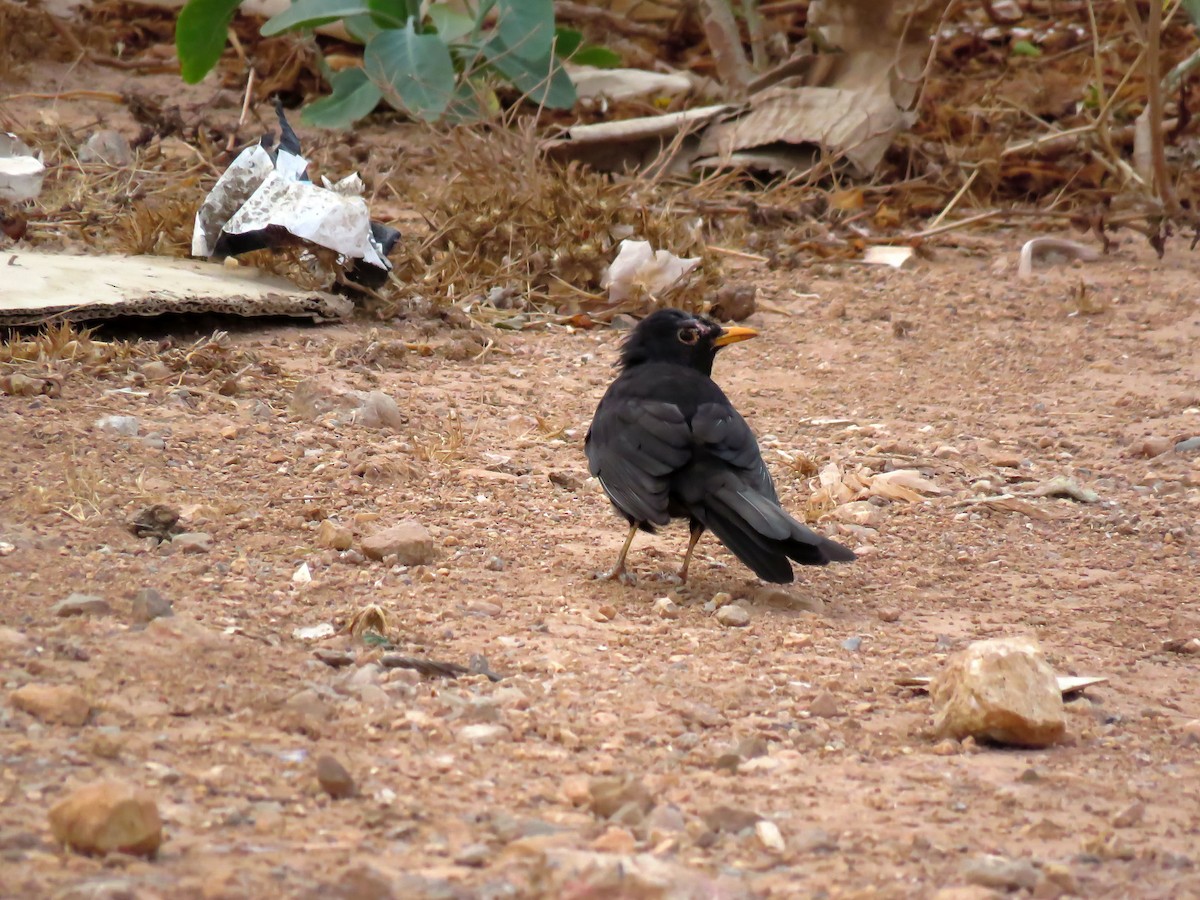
[[666, 443]]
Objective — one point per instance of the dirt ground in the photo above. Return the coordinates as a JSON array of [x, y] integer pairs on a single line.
[[221, 711], [985, 383]]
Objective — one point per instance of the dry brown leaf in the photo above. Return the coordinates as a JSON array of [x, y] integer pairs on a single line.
[[909, 482]]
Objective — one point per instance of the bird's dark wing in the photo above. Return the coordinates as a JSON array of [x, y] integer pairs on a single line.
[[633, 447], [722, 432], [728, 489]]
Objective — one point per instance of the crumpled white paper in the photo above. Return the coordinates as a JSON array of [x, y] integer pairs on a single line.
[[256, 193], [638, 268], [21, 172]]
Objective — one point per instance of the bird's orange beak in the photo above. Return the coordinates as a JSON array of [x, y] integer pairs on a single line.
[[733, 334]]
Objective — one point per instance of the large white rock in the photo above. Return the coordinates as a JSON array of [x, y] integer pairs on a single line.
[[999, 690]]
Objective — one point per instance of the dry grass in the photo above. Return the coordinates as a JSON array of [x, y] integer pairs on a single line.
[[28, 35], [537, 237], [62, 350]]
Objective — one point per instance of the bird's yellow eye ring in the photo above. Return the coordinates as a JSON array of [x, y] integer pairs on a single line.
[[689, 335]]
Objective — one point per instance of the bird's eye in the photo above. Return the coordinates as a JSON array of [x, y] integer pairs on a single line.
[[689, 335]]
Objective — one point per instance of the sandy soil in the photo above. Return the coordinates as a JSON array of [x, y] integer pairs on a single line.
[[221, 710]]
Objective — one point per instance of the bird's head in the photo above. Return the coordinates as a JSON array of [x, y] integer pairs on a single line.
[[673, 336]]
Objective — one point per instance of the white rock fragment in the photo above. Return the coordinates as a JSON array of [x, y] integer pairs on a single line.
[[314, 632], [769, 836]]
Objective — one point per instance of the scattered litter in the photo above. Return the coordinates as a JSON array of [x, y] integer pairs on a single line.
[[639, 271], [896, 257], [1069, 685], [1050, 251], [1062, 486], [314, 632], [46, 287], [265, 200], [302, 575], [21, 172], [123, 425]]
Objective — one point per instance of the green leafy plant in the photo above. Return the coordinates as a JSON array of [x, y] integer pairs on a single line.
[[436, 64]]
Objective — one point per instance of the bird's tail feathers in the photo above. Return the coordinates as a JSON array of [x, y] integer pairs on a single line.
[[764, 537]]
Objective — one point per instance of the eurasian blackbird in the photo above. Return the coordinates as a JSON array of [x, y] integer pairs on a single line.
[[666, 443]]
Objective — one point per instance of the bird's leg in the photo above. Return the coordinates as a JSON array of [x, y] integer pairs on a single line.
[[697, 530], [617, 572]]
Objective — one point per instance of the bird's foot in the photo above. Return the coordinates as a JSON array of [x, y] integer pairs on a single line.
[[620, 574], [670, 578]]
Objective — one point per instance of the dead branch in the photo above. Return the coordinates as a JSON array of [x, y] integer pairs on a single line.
[[568, 11]]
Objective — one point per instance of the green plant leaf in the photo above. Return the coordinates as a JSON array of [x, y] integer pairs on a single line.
[[311, 13], [1025, 48], [414, 70], [593, 55], [568, 40], [200, 35], [526, 27], [1192, 8], [354, 96], [393, 13], [543, 81], [361, 28], [451, 24]]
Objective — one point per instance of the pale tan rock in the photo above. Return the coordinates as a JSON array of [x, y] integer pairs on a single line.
[[1001, 690], [53, 703], [615, 840], [334, 536], [409, 541], [108, 816]]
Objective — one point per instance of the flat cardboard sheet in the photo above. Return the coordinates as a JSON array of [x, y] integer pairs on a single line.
[[36, 288]]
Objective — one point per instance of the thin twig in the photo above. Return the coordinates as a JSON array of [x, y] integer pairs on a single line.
[[954, 200], [737, 254], [1154, 107]]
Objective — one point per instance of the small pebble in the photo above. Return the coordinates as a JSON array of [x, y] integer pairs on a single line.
[[666, 608], [824, 706], [733, 616], [192, 542], [149, 604], [334, 779], [1130, 816]]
